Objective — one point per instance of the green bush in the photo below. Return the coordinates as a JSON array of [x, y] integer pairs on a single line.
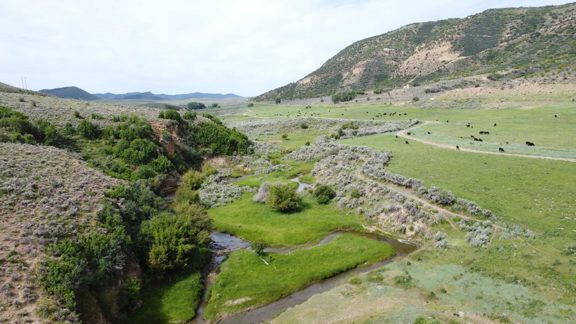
[[138, 151], [170, 114], [88, 130], [175, 240], [324, 194], [343, 96], [196, 105], [283, 198], [190, 115], [219, 139], [355, 193]]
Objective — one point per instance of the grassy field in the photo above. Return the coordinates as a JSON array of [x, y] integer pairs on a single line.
[[514, 279], [403, 292], [532, 192], [246, 280], [255, 221], [538, 194], [525, 119], [174, 301]]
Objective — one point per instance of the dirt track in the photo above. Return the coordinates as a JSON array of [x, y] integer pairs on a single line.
[[403, 134]]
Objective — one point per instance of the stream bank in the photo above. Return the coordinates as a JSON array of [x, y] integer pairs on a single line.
[[223, 244]]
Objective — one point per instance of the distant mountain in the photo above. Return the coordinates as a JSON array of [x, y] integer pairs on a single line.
[[141, 96], [151, 96], [513, 42], [70, 93]]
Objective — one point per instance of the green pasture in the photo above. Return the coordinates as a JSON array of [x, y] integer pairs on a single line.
[[247, 279]]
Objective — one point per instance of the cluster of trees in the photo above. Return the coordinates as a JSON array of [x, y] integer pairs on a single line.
[[285, 199], [344, 96], [15, 127], [136, 221], [195, 105], [217, 139]]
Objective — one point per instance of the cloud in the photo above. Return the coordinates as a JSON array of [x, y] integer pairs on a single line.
[[175, 46]]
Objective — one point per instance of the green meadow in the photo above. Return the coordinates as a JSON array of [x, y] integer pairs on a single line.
[[247, 279]]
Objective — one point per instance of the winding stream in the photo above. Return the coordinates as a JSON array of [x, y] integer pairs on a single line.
[[222, 244]]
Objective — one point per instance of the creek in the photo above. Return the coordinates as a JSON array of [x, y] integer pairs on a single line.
[[223, 244]]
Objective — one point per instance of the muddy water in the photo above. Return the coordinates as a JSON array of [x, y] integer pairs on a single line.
[[225, 243]]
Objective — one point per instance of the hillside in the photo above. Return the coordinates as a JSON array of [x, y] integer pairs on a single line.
[[504, 43], [11, 89], [70, 93]]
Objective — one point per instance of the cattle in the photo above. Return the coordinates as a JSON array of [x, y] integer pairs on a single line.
[[484, 132], [500, 149], [396, 136], [529, 143], [408, 133], [555, 115], [468, 125], [457, 147], [406, 142], [428, 133], [494, 124]]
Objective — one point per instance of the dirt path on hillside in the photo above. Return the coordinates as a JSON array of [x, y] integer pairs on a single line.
[[403, 134]]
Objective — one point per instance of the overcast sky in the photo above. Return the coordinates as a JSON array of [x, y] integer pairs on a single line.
[[177, 46]]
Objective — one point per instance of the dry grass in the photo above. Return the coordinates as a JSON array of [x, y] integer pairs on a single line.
[[45, 192]]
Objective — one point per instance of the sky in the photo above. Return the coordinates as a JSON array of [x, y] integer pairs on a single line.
[[245, 47]]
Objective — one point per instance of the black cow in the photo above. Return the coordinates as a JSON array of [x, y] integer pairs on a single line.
[[484, 132], [529, 143], [555, 115], [406, 142], [494, 124], [500, 149], [457, 147], [408, 133]]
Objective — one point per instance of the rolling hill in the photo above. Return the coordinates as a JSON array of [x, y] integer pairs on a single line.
[[70, 93], [503, 43]]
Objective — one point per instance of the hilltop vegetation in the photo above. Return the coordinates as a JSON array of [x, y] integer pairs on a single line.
[[500, 43]]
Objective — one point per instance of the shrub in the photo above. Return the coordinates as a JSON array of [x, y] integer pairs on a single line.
[[303, 125], [170, 114], [284, 136], [138, 151], [343, 96], [190, 115], [283, 198], [324, 194], [415, 99], [176, 240], [88, 130], [196, 105], [219, 139], [251, 104], [355, 193], [259, 246]]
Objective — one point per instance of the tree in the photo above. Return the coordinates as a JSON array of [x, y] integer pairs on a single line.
[[176, 240], [343, 96], [283, 198], [196, 105], [324, 194]]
